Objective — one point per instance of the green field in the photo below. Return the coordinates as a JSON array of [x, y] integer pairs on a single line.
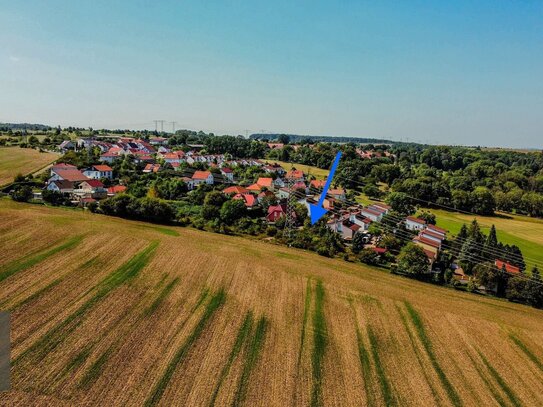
[[523, 231], [318, 173]]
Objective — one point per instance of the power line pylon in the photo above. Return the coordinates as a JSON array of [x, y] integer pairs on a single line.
[[173, 127], [290, 216]]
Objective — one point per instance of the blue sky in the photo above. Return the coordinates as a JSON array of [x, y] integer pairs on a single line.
[[464, 73]]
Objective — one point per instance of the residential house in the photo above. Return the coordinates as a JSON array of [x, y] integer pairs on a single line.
[[61, 186], [427, 244], [235, 189], [92, 188], [275, 212], [360, 220], [109, 157], [372, 214], [412, 223], [99, 171], [201, 177], [158, 141], [149, 168], [295, 175], [116, 189], [338, 194], [266, 183], [66, 145], [189, 182], [509, 268], [228, 174], [249, 200], [67, 174]]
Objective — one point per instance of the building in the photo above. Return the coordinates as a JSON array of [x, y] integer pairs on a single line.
[[275, 212], [99, 171], [412, 223], [61, 186], [228, 174], [149, 168], [372, 214], [249, 200], [116, 189], [202, 177]]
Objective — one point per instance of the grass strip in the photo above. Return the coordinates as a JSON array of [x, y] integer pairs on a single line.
[[243, 333], [495, 393], [215, 302], [254, 348], [307, 306], [418, 354], [506, 389], [161, 297], [319, 345], [427, 343], [20, 265], [95, 369], [52, 338], [526, 351], [386, 388], [365, 364]]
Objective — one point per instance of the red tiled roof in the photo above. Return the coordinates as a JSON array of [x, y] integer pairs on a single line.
[[508, 267], [226, 170], [201, 174], [372, 212], [95, 183], [235, 189], [116, 189], [254, 187], [430, 254], [432, 234], [427, 241], [103, 168], [250, 200], [265, 182], [72, 175], [64, 166], [295, 174], [317, 183], [437, 229], [379, 250]]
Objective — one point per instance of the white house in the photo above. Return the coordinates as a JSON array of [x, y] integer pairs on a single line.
[[372, 214], [412, 223], [360, 220], [200, 177], [61, 186], [228, 174], [99, 171]]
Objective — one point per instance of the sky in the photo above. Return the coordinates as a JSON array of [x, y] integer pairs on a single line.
[[468, 72]]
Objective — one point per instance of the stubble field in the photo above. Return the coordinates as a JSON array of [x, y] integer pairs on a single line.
[[15, 160], [112, 312]]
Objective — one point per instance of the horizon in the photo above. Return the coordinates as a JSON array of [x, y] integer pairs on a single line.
[[462, 74]]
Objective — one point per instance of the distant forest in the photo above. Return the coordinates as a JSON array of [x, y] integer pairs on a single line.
[[24, 126], [296, 138]]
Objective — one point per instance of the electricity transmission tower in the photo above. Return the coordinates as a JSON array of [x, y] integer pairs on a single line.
[[173, 127], [290, 216]]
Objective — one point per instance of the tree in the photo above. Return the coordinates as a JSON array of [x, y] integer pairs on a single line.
[[53, 197], [491, 244], [401, 203], [412, 260], [372, 191], [212, 205], [232, 210], [469, 255], [482, 201], [358, 243], [534, 289], [368, 256], [429, 217], [21, 193]]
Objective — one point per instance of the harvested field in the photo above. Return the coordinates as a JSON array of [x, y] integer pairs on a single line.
[[16, 160], [113, 312]]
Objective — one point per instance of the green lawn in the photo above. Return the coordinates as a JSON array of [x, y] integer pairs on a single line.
[[523, 231]]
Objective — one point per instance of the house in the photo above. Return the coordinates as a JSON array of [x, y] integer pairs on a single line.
[[149, 168], [428, 234], [61, 186], [174, 157], [99, 171], [62, 166], [228, 174], [436, 230], [349, 229], [276, 212], [158, 141], [109, 157], [338, 194], [500, 264], [85, 201], [279, 183], [274, 169], [235, 189], [317, 184], [360, 220], [66, 145], [381, 206], [255, 188], [327, 203], [264, 194], [189, 182], [91, 188], [68, 174], [412, 223], [295, 175], [201, 177], [249, 200], [116, 189], [265, 182], [372, 214], [427, 244]]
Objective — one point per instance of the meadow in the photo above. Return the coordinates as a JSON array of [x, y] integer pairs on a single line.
[[317, 172], [16, 160], [113, 312]]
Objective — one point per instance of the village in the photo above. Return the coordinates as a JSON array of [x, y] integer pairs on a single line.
[[85, 186]]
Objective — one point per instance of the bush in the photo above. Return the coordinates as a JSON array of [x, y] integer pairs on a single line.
[[21, 193], [271, 231]]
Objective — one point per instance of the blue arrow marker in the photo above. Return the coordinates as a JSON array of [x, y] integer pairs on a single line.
[[317, 211]]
